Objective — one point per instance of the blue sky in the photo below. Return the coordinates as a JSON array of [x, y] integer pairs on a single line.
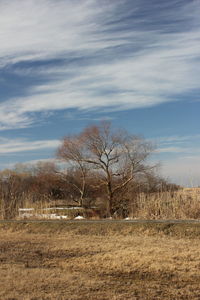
[[65, 64]]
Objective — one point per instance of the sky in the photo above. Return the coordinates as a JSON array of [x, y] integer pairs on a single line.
[[66, 64]]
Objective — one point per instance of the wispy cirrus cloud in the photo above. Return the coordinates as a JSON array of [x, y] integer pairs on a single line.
[[8, 146], [180, 157], [180, 144], [178, 139], [89, 55]]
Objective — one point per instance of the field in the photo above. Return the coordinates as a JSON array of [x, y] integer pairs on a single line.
[[110, 260]]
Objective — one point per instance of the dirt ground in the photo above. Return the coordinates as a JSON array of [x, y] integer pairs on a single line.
[[98, 262]]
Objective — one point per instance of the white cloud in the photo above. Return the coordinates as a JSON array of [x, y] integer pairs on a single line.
[[178, 144], [171, 150], [37, 29], [178, 139], [8, 146], [160, 66]]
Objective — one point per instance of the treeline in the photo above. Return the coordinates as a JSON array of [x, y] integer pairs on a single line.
[[101, 168], [45, 183]]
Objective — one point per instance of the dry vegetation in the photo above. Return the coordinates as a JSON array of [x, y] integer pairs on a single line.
[[109, 260], [181, 204]]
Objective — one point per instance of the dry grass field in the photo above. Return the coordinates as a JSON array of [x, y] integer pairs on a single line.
[[113, 261]]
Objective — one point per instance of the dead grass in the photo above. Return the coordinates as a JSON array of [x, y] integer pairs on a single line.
[[181, 204], [99, 261]]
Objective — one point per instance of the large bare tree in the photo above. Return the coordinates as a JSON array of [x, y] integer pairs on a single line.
[[114, 154]]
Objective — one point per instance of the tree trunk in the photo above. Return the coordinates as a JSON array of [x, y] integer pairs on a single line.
[[110, 200]]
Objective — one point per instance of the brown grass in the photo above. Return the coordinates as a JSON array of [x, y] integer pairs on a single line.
[[181, 204], [112, 261]]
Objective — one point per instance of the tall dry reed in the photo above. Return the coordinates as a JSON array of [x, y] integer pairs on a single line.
[[182, 204]]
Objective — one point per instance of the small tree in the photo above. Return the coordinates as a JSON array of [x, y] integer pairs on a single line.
[[114, 154]]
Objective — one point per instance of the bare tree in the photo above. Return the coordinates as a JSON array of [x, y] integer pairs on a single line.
[[114, 154], [71, 151], [118, 155]]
